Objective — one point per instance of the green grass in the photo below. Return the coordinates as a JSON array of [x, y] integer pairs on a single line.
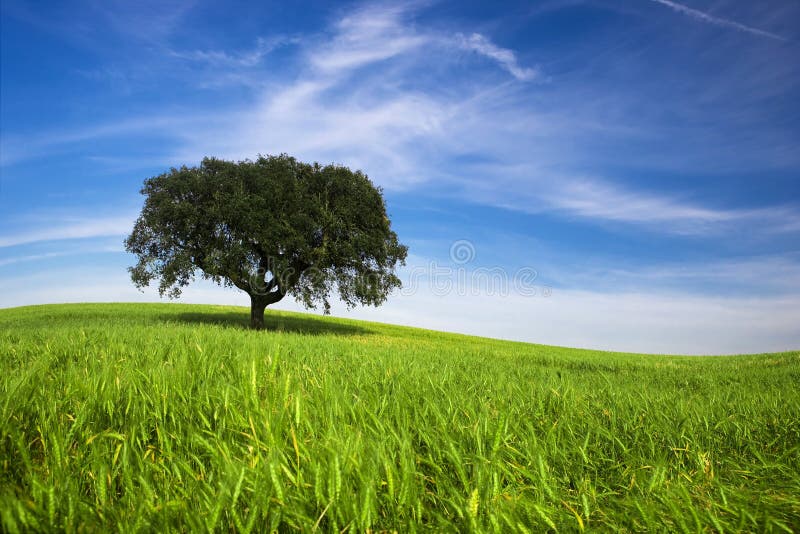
[[174, 417]]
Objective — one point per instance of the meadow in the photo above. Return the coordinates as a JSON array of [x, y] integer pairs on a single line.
[[169, 417]]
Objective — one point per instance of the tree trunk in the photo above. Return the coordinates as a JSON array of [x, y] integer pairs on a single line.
[[257, 306], [259, 301]]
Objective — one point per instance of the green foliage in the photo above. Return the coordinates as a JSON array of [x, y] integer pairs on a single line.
[[170, 417], [270, 227]]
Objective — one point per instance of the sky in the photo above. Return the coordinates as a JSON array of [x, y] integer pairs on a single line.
[[610, 174]]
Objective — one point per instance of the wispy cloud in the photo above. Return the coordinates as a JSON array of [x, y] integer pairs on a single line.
[[718, 21], [31, 257], [407, 134], [150, 21], [598, 199], [14, 149], [71, 229], [368, 35], [762, 275], [247, 58], [93, 247], [505, 57]]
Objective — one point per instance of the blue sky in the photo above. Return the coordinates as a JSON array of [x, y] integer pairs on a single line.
[[641, 156]]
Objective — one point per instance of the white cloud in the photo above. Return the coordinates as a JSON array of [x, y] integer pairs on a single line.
[[597, 199], [92, 246], [248, 58], [539, 190], [594, 199], [325, 116], [406, 136], [371, 34], [718, 21], [760, 275], [71, 229], [505, 57], [16, 149], [30, 257]]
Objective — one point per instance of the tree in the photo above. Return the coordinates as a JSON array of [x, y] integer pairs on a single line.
[[270, 227]]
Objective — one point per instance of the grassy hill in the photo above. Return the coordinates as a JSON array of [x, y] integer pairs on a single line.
[[151, 417]]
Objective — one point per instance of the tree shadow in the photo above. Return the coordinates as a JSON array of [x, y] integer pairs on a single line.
[[272, 323]]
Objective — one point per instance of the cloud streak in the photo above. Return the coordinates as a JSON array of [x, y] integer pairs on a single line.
[[597, 199], [71, 229], [602, 201], [505, 57], [246, 59], [717, 21], [369, 35], [350, 102]]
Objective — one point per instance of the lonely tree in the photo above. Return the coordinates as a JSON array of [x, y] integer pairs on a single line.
[[270, 227]]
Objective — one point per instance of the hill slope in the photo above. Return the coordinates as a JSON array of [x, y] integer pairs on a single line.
[[165, 416]]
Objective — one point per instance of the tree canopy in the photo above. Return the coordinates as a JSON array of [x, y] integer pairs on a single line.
[[270, 227]]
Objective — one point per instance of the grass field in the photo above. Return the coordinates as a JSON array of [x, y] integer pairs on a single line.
[[155, 417]]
